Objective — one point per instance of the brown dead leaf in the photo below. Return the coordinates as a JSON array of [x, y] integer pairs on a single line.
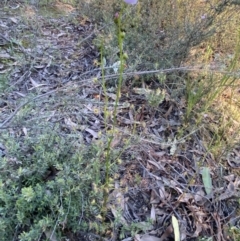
[[92, 132], [156, 164], [219, 226], [20, 94], [112, 96], [116, 140], [39, 66], [25, 131], [14, 20], [130, 113], [198, 196], [185, 197], [51, 235], [61, 34], [154, 197], [234, 162], [153, 214], [127, 239], [230, 191], [230, 177], [34, 83], [198, 229], [146, 237], [168, 111], [157, 154], [168, 232], [198, 213], [183, 229], [237, 182], [70, 123], [137, 237]]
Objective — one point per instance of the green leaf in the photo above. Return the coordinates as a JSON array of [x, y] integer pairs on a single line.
[[175, 228], [207, 180], [28, 193]]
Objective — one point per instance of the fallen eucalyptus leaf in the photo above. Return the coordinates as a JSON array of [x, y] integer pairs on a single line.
[[207, 180], [176, 228]]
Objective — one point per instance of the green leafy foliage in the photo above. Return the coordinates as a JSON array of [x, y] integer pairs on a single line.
[[46, 182]]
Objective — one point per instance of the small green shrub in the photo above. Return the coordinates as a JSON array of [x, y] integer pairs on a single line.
[[234, 233], [46, 185], [3, 83]]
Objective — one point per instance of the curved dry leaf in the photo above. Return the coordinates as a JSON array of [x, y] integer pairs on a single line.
[[162, 193], [237, 182], [92, 132], [127, 239], [146, 237], [154, 197], [39, 66], [234, 162], [34, 83], [185, 197], [153, 214], [25, 131], [198, 197], [228, 193], [51, 235], [167, 233], [159, 154], [116, 140], [14, 20], [198, 230], [230, 177], [70, 123], [112, 96], [156, 164]]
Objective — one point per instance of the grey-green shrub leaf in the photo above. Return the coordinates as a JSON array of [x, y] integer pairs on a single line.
[[207, 180]]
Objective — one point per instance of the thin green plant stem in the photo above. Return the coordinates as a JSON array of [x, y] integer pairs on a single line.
[[118, 95], [108, 149], [120, 80], [104, 87]]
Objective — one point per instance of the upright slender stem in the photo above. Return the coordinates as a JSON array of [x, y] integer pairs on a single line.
[[118, 95]]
